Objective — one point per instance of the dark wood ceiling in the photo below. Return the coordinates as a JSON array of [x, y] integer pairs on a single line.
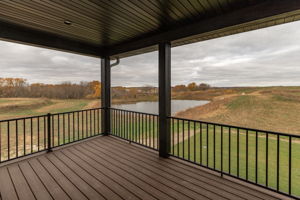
[[114, 27]]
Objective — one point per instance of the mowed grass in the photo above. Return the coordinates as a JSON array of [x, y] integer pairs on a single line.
[[204, 147]]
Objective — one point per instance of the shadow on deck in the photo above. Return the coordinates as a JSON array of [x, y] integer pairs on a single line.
[[107, 168]]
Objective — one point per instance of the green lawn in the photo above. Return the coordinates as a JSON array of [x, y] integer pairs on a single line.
[[208, 141]]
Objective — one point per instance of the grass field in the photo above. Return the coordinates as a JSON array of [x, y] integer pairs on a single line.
[[21, 107]]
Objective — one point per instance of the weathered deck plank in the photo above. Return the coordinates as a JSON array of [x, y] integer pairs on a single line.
[[107, 168]]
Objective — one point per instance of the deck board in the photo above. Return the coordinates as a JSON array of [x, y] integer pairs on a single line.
[[7, 188], [21, 185], [108, 168], [37, 187], [181, 171], [194, 186]]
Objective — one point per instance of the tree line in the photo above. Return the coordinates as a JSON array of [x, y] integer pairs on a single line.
[[190, 87], [19, 87]]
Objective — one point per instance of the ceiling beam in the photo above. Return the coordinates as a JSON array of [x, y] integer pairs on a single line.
[[252, 13], [25, 35]]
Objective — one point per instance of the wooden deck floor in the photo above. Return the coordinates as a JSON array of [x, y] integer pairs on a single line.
[[107, 168]]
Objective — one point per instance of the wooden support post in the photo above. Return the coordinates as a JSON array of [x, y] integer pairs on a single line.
[[164, 72], [105, 95]]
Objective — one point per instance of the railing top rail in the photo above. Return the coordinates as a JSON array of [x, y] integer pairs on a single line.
[[134, 111], [237, 127], [60, 113], [22, 118]]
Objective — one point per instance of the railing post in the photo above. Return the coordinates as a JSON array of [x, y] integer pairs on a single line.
[[105, 95], [164, 99], [49, 132]]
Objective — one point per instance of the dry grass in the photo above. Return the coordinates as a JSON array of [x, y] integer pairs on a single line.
[[273, 109], [21, 107]]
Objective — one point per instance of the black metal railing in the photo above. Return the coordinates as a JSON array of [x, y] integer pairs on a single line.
[[264, 158], [137, 127], [25, 136]]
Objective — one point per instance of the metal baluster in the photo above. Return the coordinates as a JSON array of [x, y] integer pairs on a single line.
[[44, 133], [178, 144], [49, 131], [31, 135], [17, 145], [214, 146], [38, 127], [278, 158], [8, 141], [58, 129], [82, 125], [24, 136], [189, 142], [173, 147], [78, 128], [256, 156], [207, 147], [201, 143], [222, 151], [267, 159], [64, 130], [0, 142], [229, 150], [73, 125], [290, 165], [183, 142], [247, 138], [195, 142], [238, 152]]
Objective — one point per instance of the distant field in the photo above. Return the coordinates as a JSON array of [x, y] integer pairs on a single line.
[[272, 108], [268, 108], [20, 107]]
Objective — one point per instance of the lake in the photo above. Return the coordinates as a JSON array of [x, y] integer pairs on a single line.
[[152, 106]]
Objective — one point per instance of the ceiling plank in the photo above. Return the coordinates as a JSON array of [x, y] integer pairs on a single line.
[[25, 35], [249, 14]]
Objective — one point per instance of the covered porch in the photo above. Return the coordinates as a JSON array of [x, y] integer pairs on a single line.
[[104, 167]]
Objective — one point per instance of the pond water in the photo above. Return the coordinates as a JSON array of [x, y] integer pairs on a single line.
[[152, 106]]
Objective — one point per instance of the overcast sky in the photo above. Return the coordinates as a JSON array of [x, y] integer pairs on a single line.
[[264, 57]]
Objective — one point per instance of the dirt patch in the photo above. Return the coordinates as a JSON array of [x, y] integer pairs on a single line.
[[214, 108], [256, 110], [21, 104], [56, 105], [93, 104]]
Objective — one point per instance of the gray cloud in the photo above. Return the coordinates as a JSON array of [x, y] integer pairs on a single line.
[[264, 57], [46, 66]]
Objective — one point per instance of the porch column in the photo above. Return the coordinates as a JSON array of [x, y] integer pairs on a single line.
[[105, 95], [164, 72]]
